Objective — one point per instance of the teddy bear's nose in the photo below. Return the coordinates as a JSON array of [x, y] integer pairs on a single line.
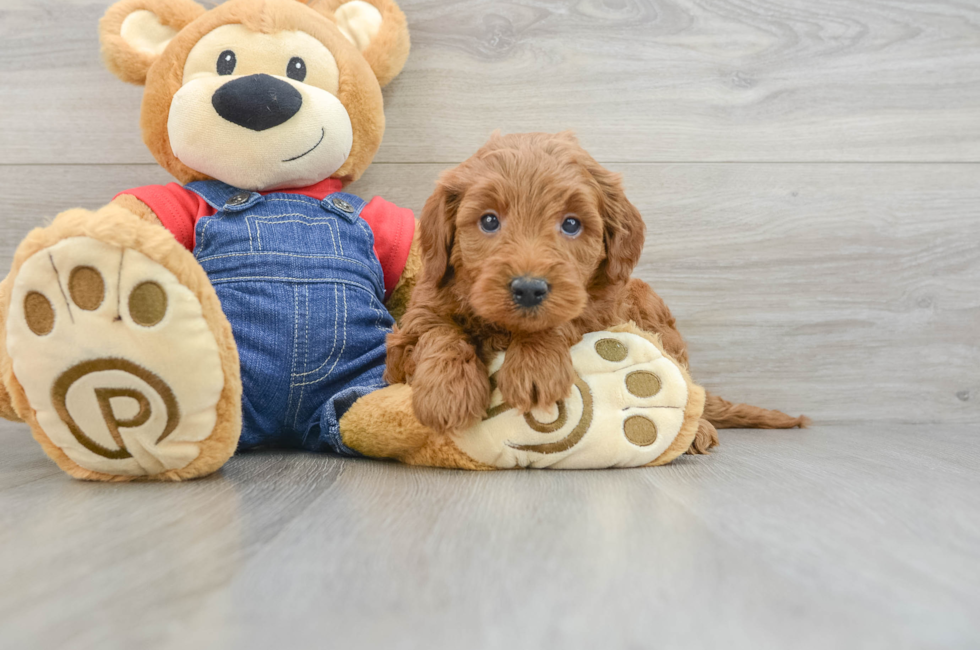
[[257, 102]]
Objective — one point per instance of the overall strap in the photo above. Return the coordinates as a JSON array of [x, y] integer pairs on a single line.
[[222, 196], [346, 206]]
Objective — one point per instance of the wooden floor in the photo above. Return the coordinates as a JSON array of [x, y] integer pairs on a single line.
[[810, 175]]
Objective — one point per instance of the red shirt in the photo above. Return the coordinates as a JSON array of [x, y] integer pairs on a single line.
[[179, 209]]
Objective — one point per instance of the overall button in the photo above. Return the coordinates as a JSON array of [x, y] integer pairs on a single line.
[[342, 205], [239, 199]]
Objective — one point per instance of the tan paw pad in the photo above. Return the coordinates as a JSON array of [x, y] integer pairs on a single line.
[[115, 357], [625, 410]]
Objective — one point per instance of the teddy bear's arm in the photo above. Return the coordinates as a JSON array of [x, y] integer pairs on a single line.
[[398, 301], [132, 204]]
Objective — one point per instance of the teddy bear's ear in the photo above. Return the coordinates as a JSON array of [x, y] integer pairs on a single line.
[[376, 27], [135, 32]]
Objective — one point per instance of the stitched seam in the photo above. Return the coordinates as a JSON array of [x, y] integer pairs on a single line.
[[335, 235], [306, 355], [305, 257], [292, 387], [279, 219], [342, 348], [333, 347], [366, 228], [311, 221], [251, 242], [204, 230], [640, 408], [343, 293], [122, 258], [381, 317], [214, 204], [310, 201], [327, 221], [340, 241], [302, 280]]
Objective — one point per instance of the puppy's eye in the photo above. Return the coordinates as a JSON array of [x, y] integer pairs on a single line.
[[296, 69], [489, 223], [571, 227], [227, 62]]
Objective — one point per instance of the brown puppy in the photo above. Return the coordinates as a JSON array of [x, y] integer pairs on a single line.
[[527, 246]]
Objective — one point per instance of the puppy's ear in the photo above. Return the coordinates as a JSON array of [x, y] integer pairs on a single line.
[[437, 231], [377, 28], [623, 225], [134, 33]]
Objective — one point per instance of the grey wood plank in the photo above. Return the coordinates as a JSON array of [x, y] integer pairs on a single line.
[[671, 80], [847, 292], [857, 536]]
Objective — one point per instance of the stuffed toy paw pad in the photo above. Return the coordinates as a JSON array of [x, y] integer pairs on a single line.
[[120, 369], [629, 404]]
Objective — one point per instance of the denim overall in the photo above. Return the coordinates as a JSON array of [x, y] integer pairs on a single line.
[[303, 289]]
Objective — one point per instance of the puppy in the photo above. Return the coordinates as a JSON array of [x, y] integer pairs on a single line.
[[527, 246]]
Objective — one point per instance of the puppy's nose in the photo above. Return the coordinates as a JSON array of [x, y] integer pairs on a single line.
[[257, 102], [529, 292]]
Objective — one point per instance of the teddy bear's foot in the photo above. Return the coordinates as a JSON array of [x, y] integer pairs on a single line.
[[6, 405], [383, 425], [631, 405], [121, 371]]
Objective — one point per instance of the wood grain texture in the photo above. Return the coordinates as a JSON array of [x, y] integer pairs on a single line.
[[815, 539], [641, 80]]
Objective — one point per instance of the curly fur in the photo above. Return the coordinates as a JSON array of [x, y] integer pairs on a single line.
[[462, 311]]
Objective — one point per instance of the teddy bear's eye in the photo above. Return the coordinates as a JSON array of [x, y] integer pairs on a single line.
[[227, 62], [296, 70]]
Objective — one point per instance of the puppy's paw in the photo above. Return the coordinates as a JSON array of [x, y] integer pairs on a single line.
[[535, 378], [450, 386], [631, 405]]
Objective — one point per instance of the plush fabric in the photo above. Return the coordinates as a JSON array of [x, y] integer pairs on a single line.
[[388, 50], [117, 299], [129, 61], [359, 88], [607, 421], [75, 235], [255, 124]]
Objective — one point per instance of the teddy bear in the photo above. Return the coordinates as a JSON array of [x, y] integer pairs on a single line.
[[248, 306]]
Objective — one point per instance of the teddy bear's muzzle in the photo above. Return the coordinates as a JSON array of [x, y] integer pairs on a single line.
[[257, 102]]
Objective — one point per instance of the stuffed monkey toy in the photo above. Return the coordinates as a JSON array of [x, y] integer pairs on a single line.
[[248, 306]]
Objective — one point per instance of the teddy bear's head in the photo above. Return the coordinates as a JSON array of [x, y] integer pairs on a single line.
[[259, 94]]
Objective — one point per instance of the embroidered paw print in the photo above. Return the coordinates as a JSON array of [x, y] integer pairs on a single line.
[[115, 357], [639, 430], [626, 408]]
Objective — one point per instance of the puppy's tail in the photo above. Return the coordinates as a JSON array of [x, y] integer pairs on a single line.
[[725, 415]]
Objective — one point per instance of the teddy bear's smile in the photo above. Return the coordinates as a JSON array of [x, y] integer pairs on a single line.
[[323, 134]]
